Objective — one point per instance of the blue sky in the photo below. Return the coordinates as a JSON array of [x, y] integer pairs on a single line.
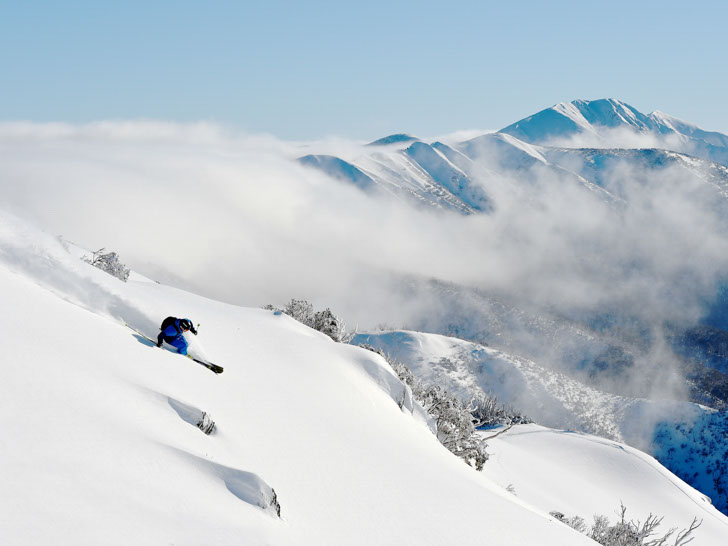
[[303, 70]]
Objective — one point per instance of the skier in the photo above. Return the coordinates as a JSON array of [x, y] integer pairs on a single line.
[[172, 329]]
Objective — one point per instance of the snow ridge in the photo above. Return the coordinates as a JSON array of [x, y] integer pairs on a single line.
[[464, 176], [683, 436]]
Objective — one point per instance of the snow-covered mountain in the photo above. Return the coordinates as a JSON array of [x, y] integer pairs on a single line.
[[421, 173], [580, 153], [608, 120], [568, 119], [572, 144]]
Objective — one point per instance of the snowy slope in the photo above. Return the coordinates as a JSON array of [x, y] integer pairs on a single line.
[[688, 129], [583, 475], [448, 175], [550, 398], [431, 182], [340, 169], [100, 447], [686, 437], [456, 178], [503, 150]]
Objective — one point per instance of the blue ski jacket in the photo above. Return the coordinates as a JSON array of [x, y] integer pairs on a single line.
[[173, 335]]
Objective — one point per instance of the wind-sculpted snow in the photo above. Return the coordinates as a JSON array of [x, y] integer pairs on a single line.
[[245, 486], [192, 415]]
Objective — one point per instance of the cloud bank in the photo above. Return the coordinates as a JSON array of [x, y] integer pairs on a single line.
[[232, 216]]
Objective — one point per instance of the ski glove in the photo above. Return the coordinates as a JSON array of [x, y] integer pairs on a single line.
[[193, 330]]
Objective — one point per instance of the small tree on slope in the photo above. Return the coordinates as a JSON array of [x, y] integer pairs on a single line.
[[629, 533], [455, 428], [328, 323], [487, 412], [108, 262], [453, 422], [300, 310], [324, 321]]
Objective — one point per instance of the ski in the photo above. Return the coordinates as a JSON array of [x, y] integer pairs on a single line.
[[210, 366]]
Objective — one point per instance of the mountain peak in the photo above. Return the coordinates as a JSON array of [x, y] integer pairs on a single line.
[[398, 138], [603, 113], [596, 118]]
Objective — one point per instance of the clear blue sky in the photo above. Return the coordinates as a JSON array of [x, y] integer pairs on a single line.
[[359, 69]]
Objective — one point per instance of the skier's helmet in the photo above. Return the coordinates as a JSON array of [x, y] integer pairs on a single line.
[[185, 324]]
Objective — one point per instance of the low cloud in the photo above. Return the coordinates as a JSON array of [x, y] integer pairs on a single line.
[[234, 217], [620, 137]]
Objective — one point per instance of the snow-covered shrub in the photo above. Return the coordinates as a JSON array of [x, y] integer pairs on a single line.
[[574, 522], [629, 533], [328, 323], [454, 424], [300, 310], [324, 321], [487, 412], [108, 262], [484, 409], [378, 351]]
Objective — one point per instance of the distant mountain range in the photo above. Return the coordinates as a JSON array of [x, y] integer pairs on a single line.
[[576, 143], [584, 146], [597, 118]]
